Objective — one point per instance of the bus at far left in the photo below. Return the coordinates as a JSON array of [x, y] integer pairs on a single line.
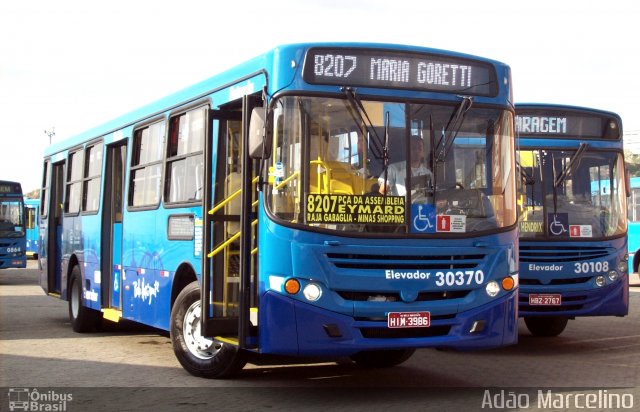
[[12, 240]]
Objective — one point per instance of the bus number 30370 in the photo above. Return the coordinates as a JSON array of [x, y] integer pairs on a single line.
[[459, 278]]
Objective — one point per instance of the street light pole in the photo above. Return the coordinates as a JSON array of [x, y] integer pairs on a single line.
[[50, 133]]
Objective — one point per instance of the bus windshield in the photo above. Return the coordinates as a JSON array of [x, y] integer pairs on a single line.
[[11, 218], [579, 193], [341, 165]]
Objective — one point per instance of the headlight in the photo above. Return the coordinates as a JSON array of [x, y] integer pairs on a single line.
[[492, 288], [613, 275], [600, 281], [312, 292], [623, 265]]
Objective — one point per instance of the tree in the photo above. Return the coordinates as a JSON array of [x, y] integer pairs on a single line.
[[633, 163]]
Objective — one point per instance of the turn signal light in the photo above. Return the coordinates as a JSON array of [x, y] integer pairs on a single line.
[[508, 283], [292, 286]]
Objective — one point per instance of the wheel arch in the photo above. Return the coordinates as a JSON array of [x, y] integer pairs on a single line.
[[72, 262], [185, 274]]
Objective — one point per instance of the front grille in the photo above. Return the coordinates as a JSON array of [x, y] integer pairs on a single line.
[[395, 262], [387, 333], [543, 309], [570, 281], [557, 254], [395, 297]]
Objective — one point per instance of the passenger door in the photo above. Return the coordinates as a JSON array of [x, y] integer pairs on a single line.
[[229, 267], [112, 214], [52, 234]]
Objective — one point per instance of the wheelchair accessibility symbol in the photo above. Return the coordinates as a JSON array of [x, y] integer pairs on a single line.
[[423, 218], [559, 224]]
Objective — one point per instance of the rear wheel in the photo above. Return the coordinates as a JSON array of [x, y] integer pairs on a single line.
[[83, 319], [199, 355], [543, 326], [382, 358]]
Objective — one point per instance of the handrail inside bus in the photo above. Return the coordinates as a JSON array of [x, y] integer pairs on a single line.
[[229, 198], [255, 222], [228, 242]]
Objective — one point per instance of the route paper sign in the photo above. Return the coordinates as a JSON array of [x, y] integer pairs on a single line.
[[355, 209]]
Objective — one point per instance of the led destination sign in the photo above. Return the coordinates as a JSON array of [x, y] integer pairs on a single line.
[[393, 69], [566, 124], [8, 188]]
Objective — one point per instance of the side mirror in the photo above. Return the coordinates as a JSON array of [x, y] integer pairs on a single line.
[[259, 138]]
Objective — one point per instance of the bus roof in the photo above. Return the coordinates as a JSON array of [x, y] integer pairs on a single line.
[[283, 53]]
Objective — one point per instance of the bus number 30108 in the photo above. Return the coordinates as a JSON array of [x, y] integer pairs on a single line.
[[590, 267]]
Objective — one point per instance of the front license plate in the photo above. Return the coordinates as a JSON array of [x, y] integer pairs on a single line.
[[409, 320], [536, 299]]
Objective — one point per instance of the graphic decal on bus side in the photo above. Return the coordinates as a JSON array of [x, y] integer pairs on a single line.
[[90, 295], [144, 290]]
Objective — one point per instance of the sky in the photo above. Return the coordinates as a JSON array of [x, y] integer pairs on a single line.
[[70, 65]]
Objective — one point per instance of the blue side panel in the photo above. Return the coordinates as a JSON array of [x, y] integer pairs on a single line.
[[82, 237], [149, 264]]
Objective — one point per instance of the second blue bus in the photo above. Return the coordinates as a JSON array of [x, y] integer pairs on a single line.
[[573, 220]]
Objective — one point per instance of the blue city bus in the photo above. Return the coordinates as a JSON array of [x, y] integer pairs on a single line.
[[32, 226], [573, 226], [258, 212], [634, 225], [12, 231]]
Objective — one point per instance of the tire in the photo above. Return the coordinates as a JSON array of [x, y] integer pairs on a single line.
[[381, 358], [83, 319], [546, 327], [200, 356]]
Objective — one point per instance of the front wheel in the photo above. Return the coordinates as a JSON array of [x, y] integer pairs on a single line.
[[199, 355], [83, 319], [546, 327], [382, 358]]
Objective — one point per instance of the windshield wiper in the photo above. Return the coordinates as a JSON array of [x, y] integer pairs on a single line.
[[357, 111], [452, 128], [574, 159]]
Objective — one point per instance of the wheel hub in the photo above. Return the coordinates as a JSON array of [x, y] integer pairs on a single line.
[[197, 344]]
